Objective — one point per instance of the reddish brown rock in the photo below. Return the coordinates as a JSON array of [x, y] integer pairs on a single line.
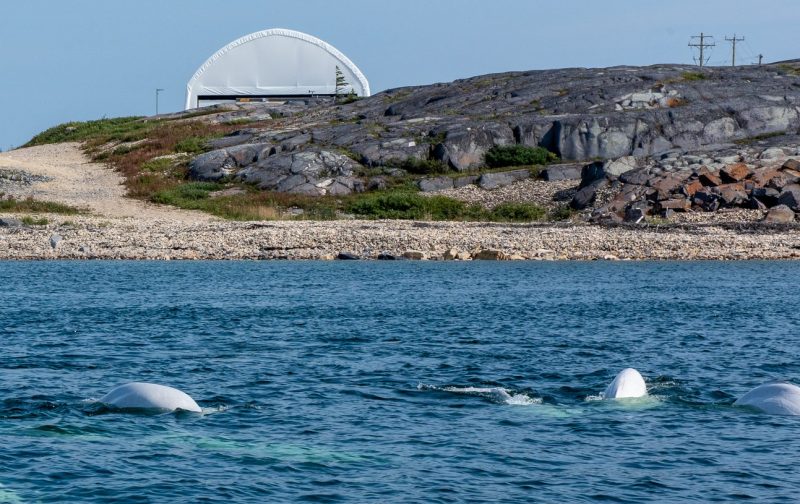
[[667, 184], [692, 187], [675, 204], [735, 172], [708, 178], [732, 194], [762, 176]]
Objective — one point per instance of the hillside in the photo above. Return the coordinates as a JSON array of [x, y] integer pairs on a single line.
[[663, 121]]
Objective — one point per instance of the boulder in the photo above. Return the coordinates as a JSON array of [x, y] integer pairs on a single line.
[[735, 172], [415, 255], [790, 196], [766, 195], [773, 153], [732, 195], [435, 184], [762, 176], [450, 254], [347, 256], [389, 257], [791, 164], [9, 222], [464, 148], [55, 240], [500, 179], [212, 166], [667, 184], [562, 172], [690, 188], [708, 178], [489, 255], [676, 205], [638, 177], [780, 214], [707, 200], [608, 169], [585, 197], [465, 181]]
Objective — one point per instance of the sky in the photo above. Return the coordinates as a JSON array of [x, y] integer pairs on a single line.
[[68, 60]]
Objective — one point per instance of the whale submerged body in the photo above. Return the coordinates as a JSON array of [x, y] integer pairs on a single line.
[[150, 396], [628, 383], [773, 398]]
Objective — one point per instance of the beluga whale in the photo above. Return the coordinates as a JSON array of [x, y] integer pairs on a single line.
[[777, 398], [628, 383], [150, 396]]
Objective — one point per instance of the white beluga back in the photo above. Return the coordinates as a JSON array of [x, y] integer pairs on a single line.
[[150, 396], [628, 383], [773, 398]]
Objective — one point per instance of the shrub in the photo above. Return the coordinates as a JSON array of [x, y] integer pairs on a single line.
[[693, 76], [518, 155], [423, 166], [562, 213], [518, 212], [192, 145], [408, 205]]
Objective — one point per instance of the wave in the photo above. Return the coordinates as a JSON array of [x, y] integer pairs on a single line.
[[497, 395]]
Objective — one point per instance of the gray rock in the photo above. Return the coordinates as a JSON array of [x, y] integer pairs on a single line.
[[790, 196], [55, 240], [465, 181], [211, 166], [347, 256], [780, 214], [9, 222], [435, 184], [562, 172], [500, 179], [585, 197]]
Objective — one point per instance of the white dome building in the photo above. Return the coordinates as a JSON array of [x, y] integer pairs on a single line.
[[273, 64]]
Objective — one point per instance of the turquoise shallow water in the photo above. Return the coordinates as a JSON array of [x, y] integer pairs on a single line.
[[397, 382]]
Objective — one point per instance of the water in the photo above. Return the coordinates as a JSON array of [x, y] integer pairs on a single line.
[[397, 382]]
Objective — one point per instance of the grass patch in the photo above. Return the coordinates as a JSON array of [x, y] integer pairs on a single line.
[[252, 205], [693, 76], [563, 213], [518, 155], [518, 212], [422, 166], [192, 145], [757, 138], [414, 206], [34, 221], [121, 129], [30, 205]]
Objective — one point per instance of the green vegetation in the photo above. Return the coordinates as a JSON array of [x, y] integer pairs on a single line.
[[250, 204], [30, 205], [518, 155], [34, 221], [414, 206], [193, 145], [518, 212], [121, 129], [763, 136], [563, 213], [423, 166], [788, 69], [693, 76]]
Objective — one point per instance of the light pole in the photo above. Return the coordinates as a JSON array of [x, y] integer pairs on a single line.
[[158, 91]]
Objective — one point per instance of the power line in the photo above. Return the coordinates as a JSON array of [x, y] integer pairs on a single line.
[[702, 45], [733, 45]]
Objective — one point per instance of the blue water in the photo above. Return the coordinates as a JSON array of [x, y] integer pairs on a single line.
[[397, 382]]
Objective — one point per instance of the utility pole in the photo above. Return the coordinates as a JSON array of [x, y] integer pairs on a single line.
[[733, 43], [158, 91], [760, 57], [702, 45]]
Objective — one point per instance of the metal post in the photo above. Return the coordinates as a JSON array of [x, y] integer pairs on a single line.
[[733, 42], [158, 91]]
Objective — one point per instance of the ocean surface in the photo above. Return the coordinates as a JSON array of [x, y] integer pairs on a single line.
[[397, 381]]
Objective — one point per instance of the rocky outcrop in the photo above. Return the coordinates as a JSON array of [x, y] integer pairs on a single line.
[[618, 116]]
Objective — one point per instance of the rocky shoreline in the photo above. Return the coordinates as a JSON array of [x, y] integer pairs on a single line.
[[98, 238]]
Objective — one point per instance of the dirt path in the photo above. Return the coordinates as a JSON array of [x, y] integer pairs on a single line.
[[75, 180]]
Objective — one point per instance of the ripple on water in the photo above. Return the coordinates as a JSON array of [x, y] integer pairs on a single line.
[[426, 382]]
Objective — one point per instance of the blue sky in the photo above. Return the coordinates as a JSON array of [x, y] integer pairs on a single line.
[[67, 60]]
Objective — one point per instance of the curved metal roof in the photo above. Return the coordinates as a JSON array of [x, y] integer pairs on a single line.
[[276, 62]]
